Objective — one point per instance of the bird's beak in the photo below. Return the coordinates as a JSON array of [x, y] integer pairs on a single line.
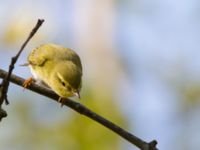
[[77, 94]]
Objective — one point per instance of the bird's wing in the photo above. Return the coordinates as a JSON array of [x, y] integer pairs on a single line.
[[36, 58], [52, 52], [43, 53]]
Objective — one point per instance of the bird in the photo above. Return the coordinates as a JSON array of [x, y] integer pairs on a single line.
[[58, 68]]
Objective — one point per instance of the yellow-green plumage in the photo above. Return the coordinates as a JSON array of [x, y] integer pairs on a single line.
[[60, 68]]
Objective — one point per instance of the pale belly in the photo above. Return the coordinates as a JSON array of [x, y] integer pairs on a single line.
[[37, 77]]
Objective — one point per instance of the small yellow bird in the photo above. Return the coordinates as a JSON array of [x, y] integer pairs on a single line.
[[58, 67]]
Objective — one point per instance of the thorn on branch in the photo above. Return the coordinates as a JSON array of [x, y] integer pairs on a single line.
[[152, 145], [6, 100], [3, 114]]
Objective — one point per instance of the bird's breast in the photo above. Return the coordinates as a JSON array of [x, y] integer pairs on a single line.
[[35, 75]]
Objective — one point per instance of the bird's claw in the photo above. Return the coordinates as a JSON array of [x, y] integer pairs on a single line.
[[61, 100], [28, 82]]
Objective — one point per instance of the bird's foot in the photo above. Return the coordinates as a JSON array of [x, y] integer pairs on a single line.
[[28, 82], [61, 100]]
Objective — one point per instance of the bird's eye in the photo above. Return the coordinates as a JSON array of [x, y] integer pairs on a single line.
[[63, 83]]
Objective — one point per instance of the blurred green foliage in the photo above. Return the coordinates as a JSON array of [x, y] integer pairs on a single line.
[[75, 132]]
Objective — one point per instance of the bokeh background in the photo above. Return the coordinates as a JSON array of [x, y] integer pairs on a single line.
[[141, 70]]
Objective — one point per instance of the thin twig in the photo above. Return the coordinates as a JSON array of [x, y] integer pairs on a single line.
[[5, 81], [86, 112]]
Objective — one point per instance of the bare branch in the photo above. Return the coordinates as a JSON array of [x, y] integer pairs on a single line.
[[5, 82], [84, 111]]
